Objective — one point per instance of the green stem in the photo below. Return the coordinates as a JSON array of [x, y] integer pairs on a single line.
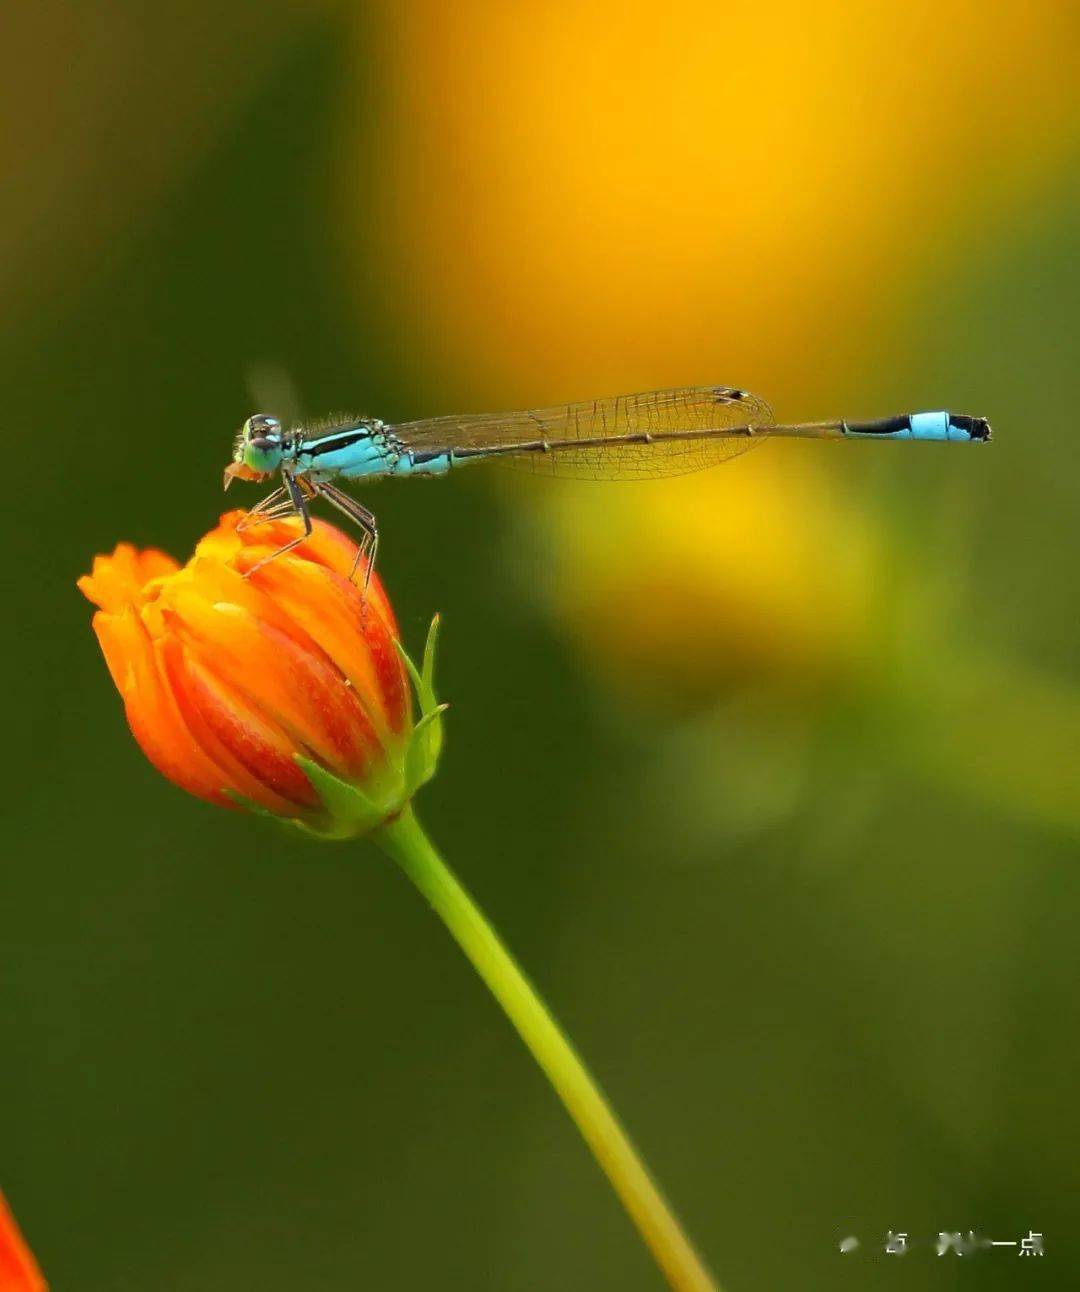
[[405, 841]]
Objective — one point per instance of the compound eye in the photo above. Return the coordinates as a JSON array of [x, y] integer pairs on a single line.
[[262, 427]]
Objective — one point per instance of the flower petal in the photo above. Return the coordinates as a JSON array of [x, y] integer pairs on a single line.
[[120, 579], [152, 713], [298, 685], [354, 635], [257, 757], [326, 546], [213, 582], [18, 1270]]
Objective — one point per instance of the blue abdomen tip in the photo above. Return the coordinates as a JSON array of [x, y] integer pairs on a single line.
[[948, 426]]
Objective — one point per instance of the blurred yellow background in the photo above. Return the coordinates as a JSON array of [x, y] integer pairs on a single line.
[[636, 193], [768, 774]]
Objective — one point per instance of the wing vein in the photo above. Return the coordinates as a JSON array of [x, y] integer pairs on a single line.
[[655, 433]]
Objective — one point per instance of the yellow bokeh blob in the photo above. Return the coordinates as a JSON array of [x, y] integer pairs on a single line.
[[690, 590], [578, 199]]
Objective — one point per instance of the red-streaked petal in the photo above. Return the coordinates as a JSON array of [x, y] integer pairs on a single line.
[[151, 709], [297, 688], [327, 549], [353, 635], [257, 757]]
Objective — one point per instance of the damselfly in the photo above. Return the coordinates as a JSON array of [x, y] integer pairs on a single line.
[[627, 437]]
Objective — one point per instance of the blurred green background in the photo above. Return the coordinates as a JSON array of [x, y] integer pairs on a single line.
[[768, 776]]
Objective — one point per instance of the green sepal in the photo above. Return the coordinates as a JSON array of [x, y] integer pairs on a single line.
[[428, 674], [422, 757], [414, 672], [351, 811], [425, 744]]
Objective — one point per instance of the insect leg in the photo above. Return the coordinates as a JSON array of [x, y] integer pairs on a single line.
[[359, 515], [299, 507], [272, 507]]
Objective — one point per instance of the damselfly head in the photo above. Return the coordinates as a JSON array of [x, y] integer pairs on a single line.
[[257, 451]]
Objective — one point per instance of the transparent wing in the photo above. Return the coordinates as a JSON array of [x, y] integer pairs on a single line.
[[604, 439], [273, 391]]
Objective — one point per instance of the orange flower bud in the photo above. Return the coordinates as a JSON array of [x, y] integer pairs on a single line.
[[18, 1269], [283, 691]]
